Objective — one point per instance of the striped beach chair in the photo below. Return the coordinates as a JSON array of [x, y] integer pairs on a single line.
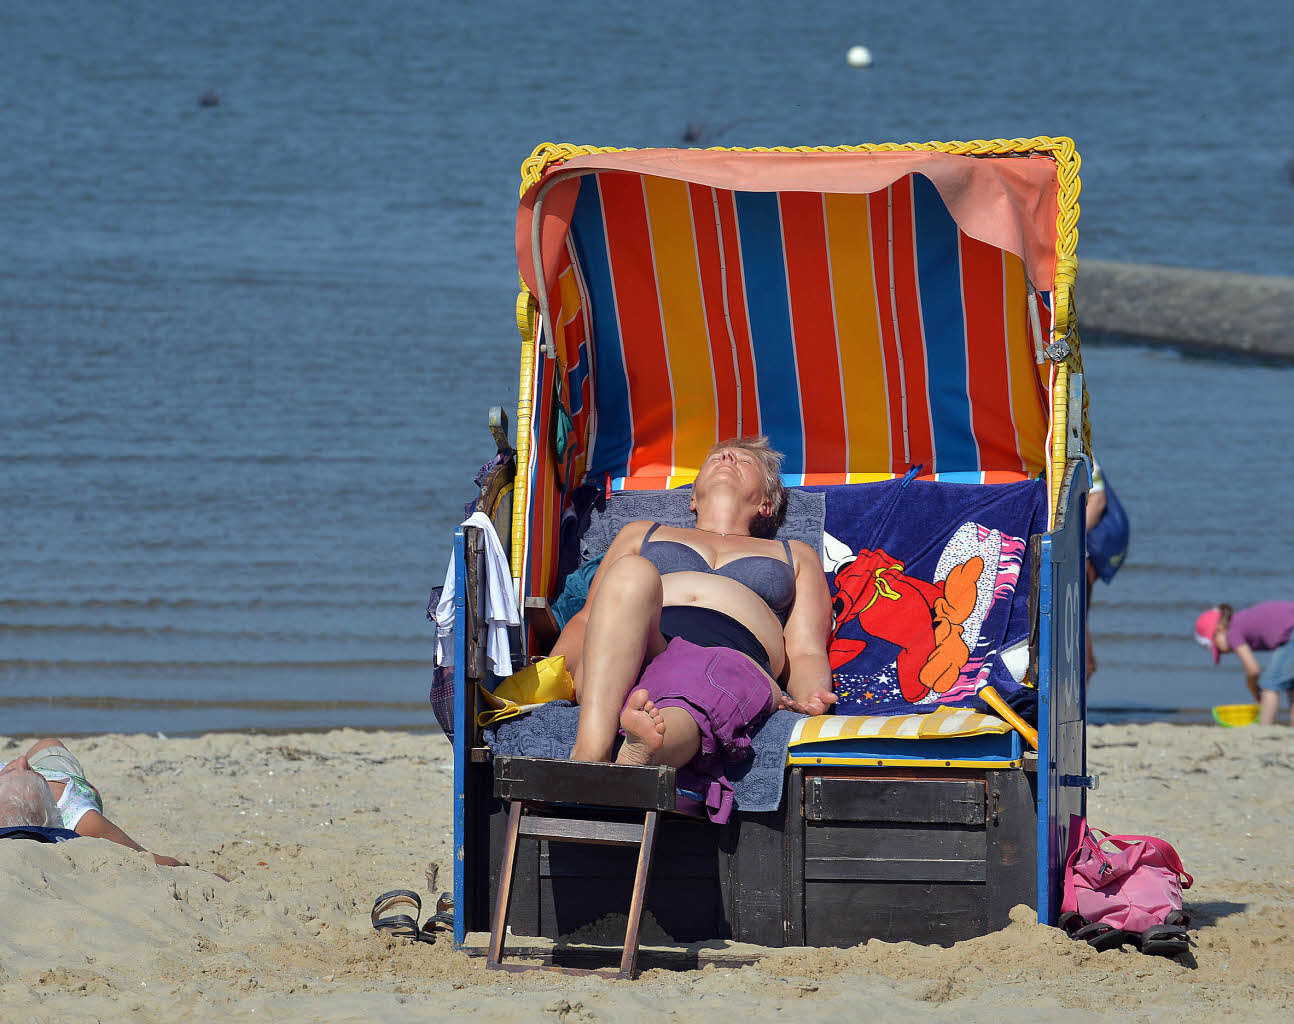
[[876, 311]]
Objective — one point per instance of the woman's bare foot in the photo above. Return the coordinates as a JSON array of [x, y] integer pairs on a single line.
[[644, 731]]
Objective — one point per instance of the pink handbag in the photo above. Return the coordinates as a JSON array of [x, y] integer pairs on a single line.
[[1125, 889]]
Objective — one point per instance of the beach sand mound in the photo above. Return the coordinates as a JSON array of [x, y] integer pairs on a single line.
[[309, 828]]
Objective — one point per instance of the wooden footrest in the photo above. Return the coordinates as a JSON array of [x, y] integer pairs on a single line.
[[592, 784], [578, 826]]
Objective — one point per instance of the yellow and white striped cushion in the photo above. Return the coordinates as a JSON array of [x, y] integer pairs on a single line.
[[941, 723]]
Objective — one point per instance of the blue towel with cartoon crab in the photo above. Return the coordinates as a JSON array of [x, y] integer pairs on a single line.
[[929, 584]]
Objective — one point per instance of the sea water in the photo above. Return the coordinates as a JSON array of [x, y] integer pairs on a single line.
[[248, 348]]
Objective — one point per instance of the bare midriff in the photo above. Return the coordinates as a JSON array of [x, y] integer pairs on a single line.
[[720, 594]]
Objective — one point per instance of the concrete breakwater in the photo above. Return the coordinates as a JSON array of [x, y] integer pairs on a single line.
[[1246, 314]]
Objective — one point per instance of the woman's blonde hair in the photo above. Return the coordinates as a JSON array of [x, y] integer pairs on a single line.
[[771, 462]]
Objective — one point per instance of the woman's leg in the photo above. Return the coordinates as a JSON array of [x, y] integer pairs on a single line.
[[40, 745], [623, 632]]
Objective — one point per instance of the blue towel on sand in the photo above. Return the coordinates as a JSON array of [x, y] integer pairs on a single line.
[[549, 731]]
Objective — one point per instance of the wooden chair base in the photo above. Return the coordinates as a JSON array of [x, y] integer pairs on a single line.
[[573, 825]]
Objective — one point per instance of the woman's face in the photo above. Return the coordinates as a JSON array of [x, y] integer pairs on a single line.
[[735, 468]]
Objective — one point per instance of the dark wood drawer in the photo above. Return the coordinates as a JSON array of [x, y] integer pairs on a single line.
[[943, 801], [887, 853]]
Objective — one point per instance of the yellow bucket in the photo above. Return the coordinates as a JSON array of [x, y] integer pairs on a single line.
[[1235, 714]]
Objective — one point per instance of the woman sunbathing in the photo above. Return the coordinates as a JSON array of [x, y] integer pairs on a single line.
[[46, 787], [706, 621]]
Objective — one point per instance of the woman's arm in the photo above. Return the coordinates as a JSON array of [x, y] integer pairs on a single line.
[[570, 642], [96, 826], [1095, 508], [808, 682]]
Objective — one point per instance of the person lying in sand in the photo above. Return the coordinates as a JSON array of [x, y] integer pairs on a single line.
[[706, 621], [47, 788]]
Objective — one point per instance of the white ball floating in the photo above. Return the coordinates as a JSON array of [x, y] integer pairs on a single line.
[[859, 57]]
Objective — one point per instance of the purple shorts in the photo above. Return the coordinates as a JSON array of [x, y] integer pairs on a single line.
[[727, 695]]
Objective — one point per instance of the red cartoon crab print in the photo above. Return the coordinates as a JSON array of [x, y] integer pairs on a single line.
[[922, 619]]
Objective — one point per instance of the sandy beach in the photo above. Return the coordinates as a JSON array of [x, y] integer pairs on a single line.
[[310, 827]]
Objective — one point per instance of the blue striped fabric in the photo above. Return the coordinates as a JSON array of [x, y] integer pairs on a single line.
[[944, 327], [614, 427], [760, 228]]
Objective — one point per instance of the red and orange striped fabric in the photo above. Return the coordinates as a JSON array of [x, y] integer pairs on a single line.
[[864, 333]]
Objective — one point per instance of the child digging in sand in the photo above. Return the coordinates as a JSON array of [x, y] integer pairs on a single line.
[[1263, 627]]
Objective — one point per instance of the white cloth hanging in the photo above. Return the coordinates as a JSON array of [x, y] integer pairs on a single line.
[[500, 604]]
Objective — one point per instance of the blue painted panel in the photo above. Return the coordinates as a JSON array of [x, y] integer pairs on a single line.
[[1062, 705], [464, 726]]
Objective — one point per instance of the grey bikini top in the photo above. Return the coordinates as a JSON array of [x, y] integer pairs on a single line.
[[771, 578]]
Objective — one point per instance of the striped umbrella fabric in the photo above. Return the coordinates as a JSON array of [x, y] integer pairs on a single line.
[[864, 334]]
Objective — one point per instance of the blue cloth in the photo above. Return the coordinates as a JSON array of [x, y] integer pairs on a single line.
[[889, 547], [1107, 541], [805, 512], [575, 591], [39, 833], [1279, 673], [549, 731]]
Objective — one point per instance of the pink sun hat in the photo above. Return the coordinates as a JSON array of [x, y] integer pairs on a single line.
[[1204, 628]]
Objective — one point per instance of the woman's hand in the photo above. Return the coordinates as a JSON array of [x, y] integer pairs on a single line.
[[170, 862], [817, 702]]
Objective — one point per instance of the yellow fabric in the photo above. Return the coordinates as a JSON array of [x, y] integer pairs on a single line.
[[942, 723], [544, 681]]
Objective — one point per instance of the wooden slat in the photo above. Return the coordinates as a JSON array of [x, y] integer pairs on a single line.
[[894, 842], [1012, 836], [793, 906], [499, 926], [948, 801], [845, 914], [883, 869], [721, 953], [580, 782], [542, 622], [577, 830], [475, 604], [645, 850]]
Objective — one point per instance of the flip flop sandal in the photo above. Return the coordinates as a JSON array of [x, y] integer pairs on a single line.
[[1165, 940], [1103, 936], [400, 925], [1180, 918], [1070, 922], [443, 917]]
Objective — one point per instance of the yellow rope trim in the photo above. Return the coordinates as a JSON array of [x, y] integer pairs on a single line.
[[525, 386], [1059, 148]]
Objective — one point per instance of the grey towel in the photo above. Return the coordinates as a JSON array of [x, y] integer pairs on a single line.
[[549, 731], [806, 516]]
